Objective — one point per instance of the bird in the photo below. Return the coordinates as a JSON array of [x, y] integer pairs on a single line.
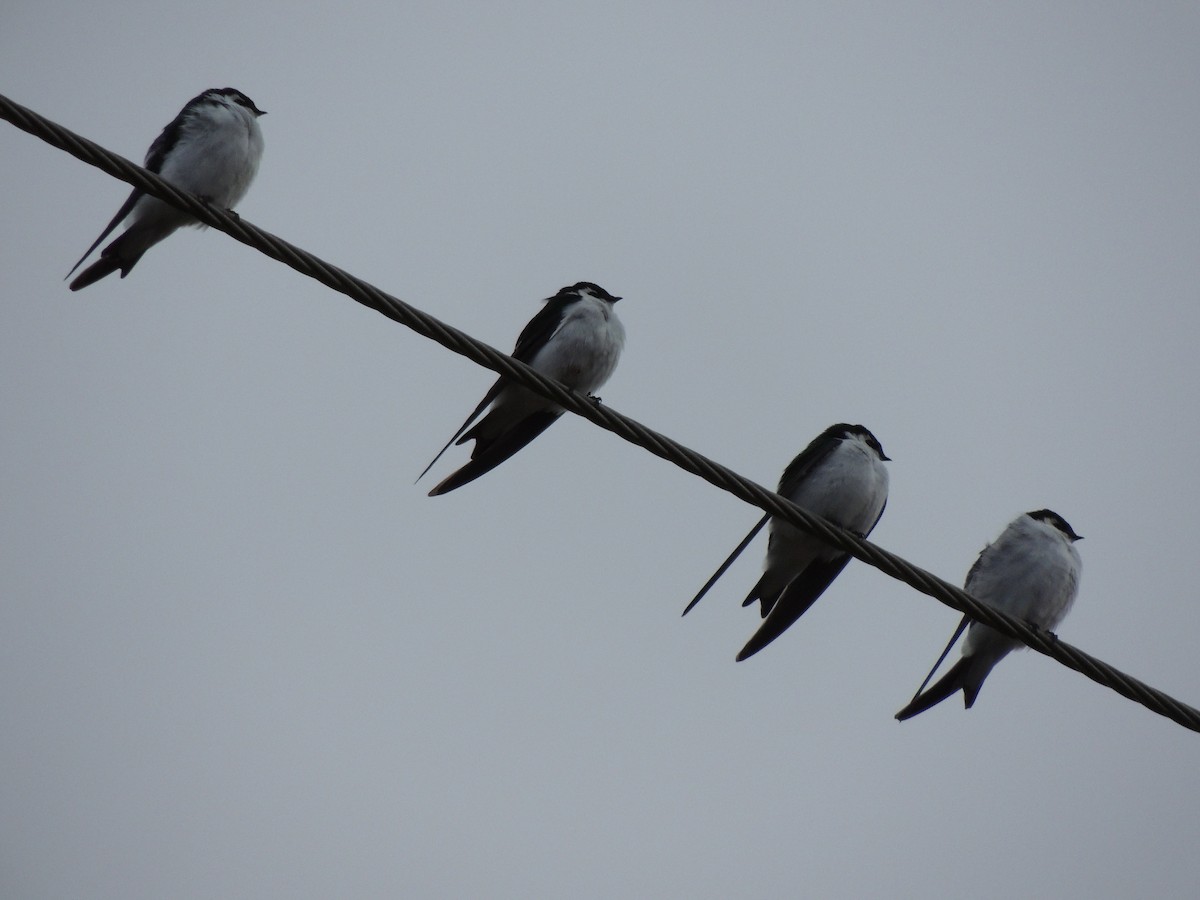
[[1032, 573], [211, 149], [840, 477], [576, 339]]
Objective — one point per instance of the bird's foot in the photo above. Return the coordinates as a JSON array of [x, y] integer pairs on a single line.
[[225, 209], [1038, 629]]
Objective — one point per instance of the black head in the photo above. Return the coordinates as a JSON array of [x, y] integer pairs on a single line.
[[843, 430], [1050, 517], [232, 95], [588, 289]]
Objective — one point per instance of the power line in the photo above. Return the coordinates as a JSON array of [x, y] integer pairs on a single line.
[[714, 473]]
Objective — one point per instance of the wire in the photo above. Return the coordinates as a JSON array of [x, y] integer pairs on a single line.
[[714, 473]]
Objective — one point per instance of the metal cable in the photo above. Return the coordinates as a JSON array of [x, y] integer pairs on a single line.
[[714, 473]]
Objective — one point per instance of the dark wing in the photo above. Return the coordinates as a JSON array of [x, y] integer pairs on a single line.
[[867, 533], [487, 455], [975, 568], [794, 602], [809, 458], [737, 551], [166, 141], [537, 332]]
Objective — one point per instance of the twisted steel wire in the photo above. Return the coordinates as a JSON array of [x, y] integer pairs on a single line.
[[714, 473]]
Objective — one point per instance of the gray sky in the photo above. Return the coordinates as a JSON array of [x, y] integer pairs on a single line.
[[243, 656]]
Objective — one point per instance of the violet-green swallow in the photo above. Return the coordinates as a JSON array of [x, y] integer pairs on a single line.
[[576, 339], [840, 477], [1031, 572], [211, 149]]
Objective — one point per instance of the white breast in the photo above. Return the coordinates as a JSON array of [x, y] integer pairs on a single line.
[[849, 489], [583, 352], [217, 155], [1031, 572]]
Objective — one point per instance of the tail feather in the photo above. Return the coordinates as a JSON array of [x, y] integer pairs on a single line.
[[970, 692], [126, 209], [781, 611], [486, 457], [949, 683], [737, 551], [459, 437], [962, 626], [121, 254], [774, 625], [101, 268], [759, 592]]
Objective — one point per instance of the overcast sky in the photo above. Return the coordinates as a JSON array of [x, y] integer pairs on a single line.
[[242, 655]]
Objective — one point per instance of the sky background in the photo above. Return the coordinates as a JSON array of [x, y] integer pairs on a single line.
[[242, 655]]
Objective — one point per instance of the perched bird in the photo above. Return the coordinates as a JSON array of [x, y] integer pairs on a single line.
[[840, 477], [576, 339], [211, 149], [1031, 572]]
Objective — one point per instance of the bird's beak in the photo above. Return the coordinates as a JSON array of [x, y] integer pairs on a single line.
[[885, 458], [615, 299]]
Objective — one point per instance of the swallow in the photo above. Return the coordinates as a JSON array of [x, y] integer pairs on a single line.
[[211, 149], [840, 477], [1032, 573], [576, 339]]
